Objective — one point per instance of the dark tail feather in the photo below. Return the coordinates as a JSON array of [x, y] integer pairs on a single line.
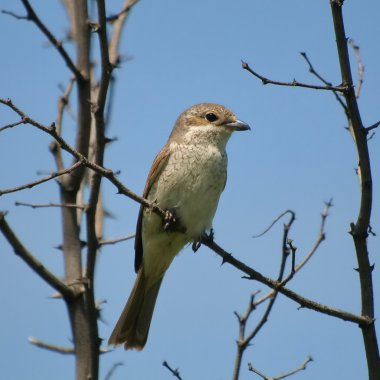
[[133, 325]]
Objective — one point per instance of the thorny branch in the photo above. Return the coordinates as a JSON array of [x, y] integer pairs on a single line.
[[227, 257], [359, 229], [82, 160], [302, 301]]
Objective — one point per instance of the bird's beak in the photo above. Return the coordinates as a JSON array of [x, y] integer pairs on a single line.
[[238, 125]]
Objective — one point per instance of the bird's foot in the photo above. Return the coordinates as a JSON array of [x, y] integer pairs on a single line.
[[170, 222], [197, 243], [210, 235]]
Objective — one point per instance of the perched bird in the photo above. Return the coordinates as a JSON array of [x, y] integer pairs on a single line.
[[186, 179]]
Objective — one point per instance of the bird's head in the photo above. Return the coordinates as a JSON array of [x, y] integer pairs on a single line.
[[207, 120]]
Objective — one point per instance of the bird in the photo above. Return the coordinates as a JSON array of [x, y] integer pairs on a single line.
[[186, 179]]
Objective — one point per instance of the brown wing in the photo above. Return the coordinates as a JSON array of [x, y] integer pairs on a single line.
[[158, 164]]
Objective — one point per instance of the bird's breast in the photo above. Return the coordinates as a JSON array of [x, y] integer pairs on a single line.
[[191, 184]]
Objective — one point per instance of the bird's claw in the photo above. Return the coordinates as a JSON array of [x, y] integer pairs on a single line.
[[170, 221], [210, 235], [196, 245]]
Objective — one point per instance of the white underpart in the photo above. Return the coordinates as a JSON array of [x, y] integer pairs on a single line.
[[190, 186]]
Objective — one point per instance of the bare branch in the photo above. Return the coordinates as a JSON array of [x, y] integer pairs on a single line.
[[32, 16], [32, 262], [42, 180], [315, 73], [62, 104], [356, 49], [58, 349], [16, 16], [51, 347], [282, 376], [373, 126], [303, 301], [126, 8], [253, 369], [112, 370], [320, 238], [12, 125], [298, 369], [294, 83], [51, 204], [118, 22], [273, 223], [359, 230], [107, 173], [175, 372], [245, 341], [116, 240]]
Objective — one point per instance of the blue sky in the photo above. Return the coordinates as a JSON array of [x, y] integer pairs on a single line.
[[297, 156]]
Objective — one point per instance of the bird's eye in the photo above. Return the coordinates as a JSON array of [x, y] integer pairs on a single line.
[[211, 117]]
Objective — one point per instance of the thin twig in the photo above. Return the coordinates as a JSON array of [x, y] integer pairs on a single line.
[[356, 49], [16, 16], [33, 263], [62, 105], [320, 238], [293, 83], [116, 240], [245, 341], [301, 367], [284, 375], [262, 375], [315, 73], [112, 370], [373, 126], [51, 347], [273, 223], [175, 372], [50, 204], [126, 8], [42, 180], [12, 125], [58, 349]]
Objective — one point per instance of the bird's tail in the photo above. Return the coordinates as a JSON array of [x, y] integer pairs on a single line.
[[132, 328]]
